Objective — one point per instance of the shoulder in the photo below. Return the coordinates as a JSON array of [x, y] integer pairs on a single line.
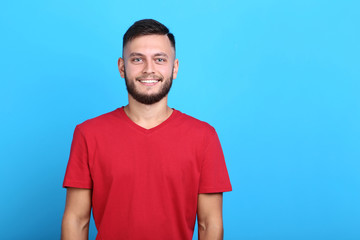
[[195, 124], [197, 133], [100, 122]]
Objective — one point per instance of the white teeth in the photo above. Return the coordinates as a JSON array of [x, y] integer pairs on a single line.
[[149, 81]]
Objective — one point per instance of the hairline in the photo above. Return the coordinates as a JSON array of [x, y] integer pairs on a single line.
[[151, 34]]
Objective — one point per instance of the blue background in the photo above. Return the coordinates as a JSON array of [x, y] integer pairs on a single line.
[[279, 80]]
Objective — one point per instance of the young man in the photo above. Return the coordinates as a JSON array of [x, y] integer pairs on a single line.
[[145, 169]]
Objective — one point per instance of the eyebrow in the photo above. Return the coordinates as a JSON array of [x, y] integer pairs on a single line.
[[135, 54], [160, 54]]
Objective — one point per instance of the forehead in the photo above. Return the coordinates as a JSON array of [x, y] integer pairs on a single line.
[[149, 45]]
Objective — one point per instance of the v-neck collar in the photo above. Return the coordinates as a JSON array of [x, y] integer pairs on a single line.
[[145, 130]]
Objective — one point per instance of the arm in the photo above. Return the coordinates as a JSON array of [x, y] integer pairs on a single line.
[[210, 224], [75, 223]]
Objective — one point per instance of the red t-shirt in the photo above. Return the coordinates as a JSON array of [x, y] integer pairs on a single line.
[[145, 182]]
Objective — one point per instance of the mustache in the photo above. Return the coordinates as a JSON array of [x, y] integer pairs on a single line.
[[149, 76]]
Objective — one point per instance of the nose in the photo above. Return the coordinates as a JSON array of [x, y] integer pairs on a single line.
[[149, 67]]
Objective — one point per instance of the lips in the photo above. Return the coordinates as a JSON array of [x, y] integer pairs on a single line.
[[149, 80]]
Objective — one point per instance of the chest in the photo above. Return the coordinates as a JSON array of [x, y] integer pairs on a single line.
[[146, 160]]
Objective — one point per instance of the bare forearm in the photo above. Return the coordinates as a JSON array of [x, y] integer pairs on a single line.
[[210, 232], [73, 229]]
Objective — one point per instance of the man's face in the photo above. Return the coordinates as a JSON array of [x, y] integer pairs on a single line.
[[148, 66]]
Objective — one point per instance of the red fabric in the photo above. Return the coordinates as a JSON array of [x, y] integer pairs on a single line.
[[145, 182]]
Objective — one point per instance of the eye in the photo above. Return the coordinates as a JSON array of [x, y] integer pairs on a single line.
[[161, 60], [136, 60]]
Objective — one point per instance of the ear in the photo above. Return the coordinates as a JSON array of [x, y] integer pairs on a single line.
[[175, 68], [121, 66]]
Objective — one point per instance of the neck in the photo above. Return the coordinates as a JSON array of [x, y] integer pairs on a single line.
[[148, 116]]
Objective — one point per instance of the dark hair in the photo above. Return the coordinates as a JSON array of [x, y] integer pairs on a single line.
[[147, 27]]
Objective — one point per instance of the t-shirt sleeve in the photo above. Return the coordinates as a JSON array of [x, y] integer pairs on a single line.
[[214, 176], [78, 171]]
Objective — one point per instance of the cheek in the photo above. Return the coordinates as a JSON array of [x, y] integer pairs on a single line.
[[132, 70], [166, 70]]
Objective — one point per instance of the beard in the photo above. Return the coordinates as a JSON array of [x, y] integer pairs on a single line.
[[149, 99]]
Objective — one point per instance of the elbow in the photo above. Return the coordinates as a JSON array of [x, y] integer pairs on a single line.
[[80, 222], [211, 229], [72, 226]]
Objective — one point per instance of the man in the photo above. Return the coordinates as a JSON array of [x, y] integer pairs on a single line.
[[145, 169]]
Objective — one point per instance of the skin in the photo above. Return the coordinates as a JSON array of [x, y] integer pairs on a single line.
[[150, 56], [209, 213], [75, 223]]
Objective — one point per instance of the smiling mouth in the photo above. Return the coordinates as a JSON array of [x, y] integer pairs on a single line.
[[149, 80]]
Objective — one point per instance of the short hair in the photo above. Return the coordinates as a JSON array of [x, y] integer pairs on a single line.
[[147, 27]]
